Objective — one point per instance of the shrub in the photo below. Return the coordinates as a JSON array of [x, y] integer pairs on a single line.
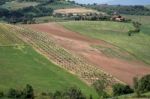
[[71, 93], [28, 92], [1, 94], [144, 83], [44, 94], [136, 86], [13, 93], [120, 89], [100, 87], [74, 93]]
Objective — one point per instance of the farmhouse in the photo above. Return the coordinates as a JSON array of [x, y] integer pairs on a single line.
[[117, 17]]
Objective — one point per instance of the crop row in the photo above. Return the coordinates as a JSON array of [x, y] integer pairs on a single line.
[[7, 36], [76, 65]]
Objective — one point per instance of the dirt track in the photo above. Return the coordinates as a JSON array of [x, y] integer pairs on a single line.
[[120, 68]]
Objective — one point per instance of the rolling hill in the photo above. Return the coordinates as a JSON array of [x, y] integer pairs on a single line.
[[129, 2]]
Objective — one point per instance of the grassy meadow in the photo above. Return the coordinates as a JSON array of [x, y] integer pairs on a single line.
[[20, 64], [115, 33]]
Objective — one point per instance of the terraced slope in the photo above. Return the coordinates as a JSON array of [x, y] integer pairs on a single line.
[[20, 64]]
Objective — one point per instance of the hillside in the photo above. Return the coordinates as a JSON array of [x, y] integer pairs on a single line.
[[20, 64], [148, 6], [129, 2], [15, 5], [115, 33]]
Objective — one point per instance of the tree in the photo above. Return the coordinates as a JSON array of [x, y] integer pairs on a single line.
[[144, 83], [136, 86], [1, 94], [74, 93], [100, 87], [13, 93], [120, 89], [28, 92], [71, 93]]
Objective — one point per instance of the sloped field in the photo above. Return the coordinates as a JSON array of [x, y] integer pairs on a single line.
[[105, 56], [76, 65], [116, 33], [21, 65]]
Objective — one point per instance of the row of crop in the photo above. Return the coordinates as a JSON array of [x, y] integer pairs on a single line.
[[7, 36], [45, 44]]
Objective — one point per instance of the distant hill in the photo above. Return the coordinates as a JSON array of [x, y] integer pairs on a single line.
[[148, 6], [129, 2]]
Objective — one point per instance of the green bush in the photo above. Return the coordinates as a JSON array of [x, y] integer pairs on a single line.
[[28, 92], [13, 93], [144, 83], [71, 93], [120, 89], [100, 87], [74, 93], [1, 94]]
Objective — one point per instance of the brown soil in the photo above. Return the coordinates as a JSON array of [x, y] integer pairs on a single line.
[[122, 69]]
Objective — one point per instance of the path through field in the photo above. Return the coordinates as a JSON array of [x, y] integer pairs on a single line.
[[122, 69]]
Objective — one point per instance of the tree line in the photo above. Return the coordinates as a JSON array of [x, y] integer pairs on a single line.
[[25, 15]]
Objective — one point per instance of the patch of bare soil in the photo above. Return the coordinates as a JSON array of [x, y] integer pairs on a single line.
[[122, 69]]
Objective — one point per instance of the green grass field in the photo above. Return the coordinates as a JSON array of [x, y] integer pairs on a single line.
[[21, 65], [14, 5], [142, 19], [115, 33]]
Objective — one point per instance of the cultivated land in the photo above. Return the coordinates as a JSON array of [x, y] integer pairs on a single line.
[[78, 10], [120, 58], [20, 65]]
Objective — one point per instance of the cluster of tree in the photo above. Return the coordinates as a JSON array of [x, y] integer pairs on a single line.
[[88, 16], [120, 89], [137, 26], [25, 15], [71, 93], [129, 10], [140, 86], [26, 93]]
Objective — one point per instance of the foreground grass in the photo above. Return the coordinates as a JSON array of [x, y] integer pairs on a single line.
[[115, 33], [21, 66]]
